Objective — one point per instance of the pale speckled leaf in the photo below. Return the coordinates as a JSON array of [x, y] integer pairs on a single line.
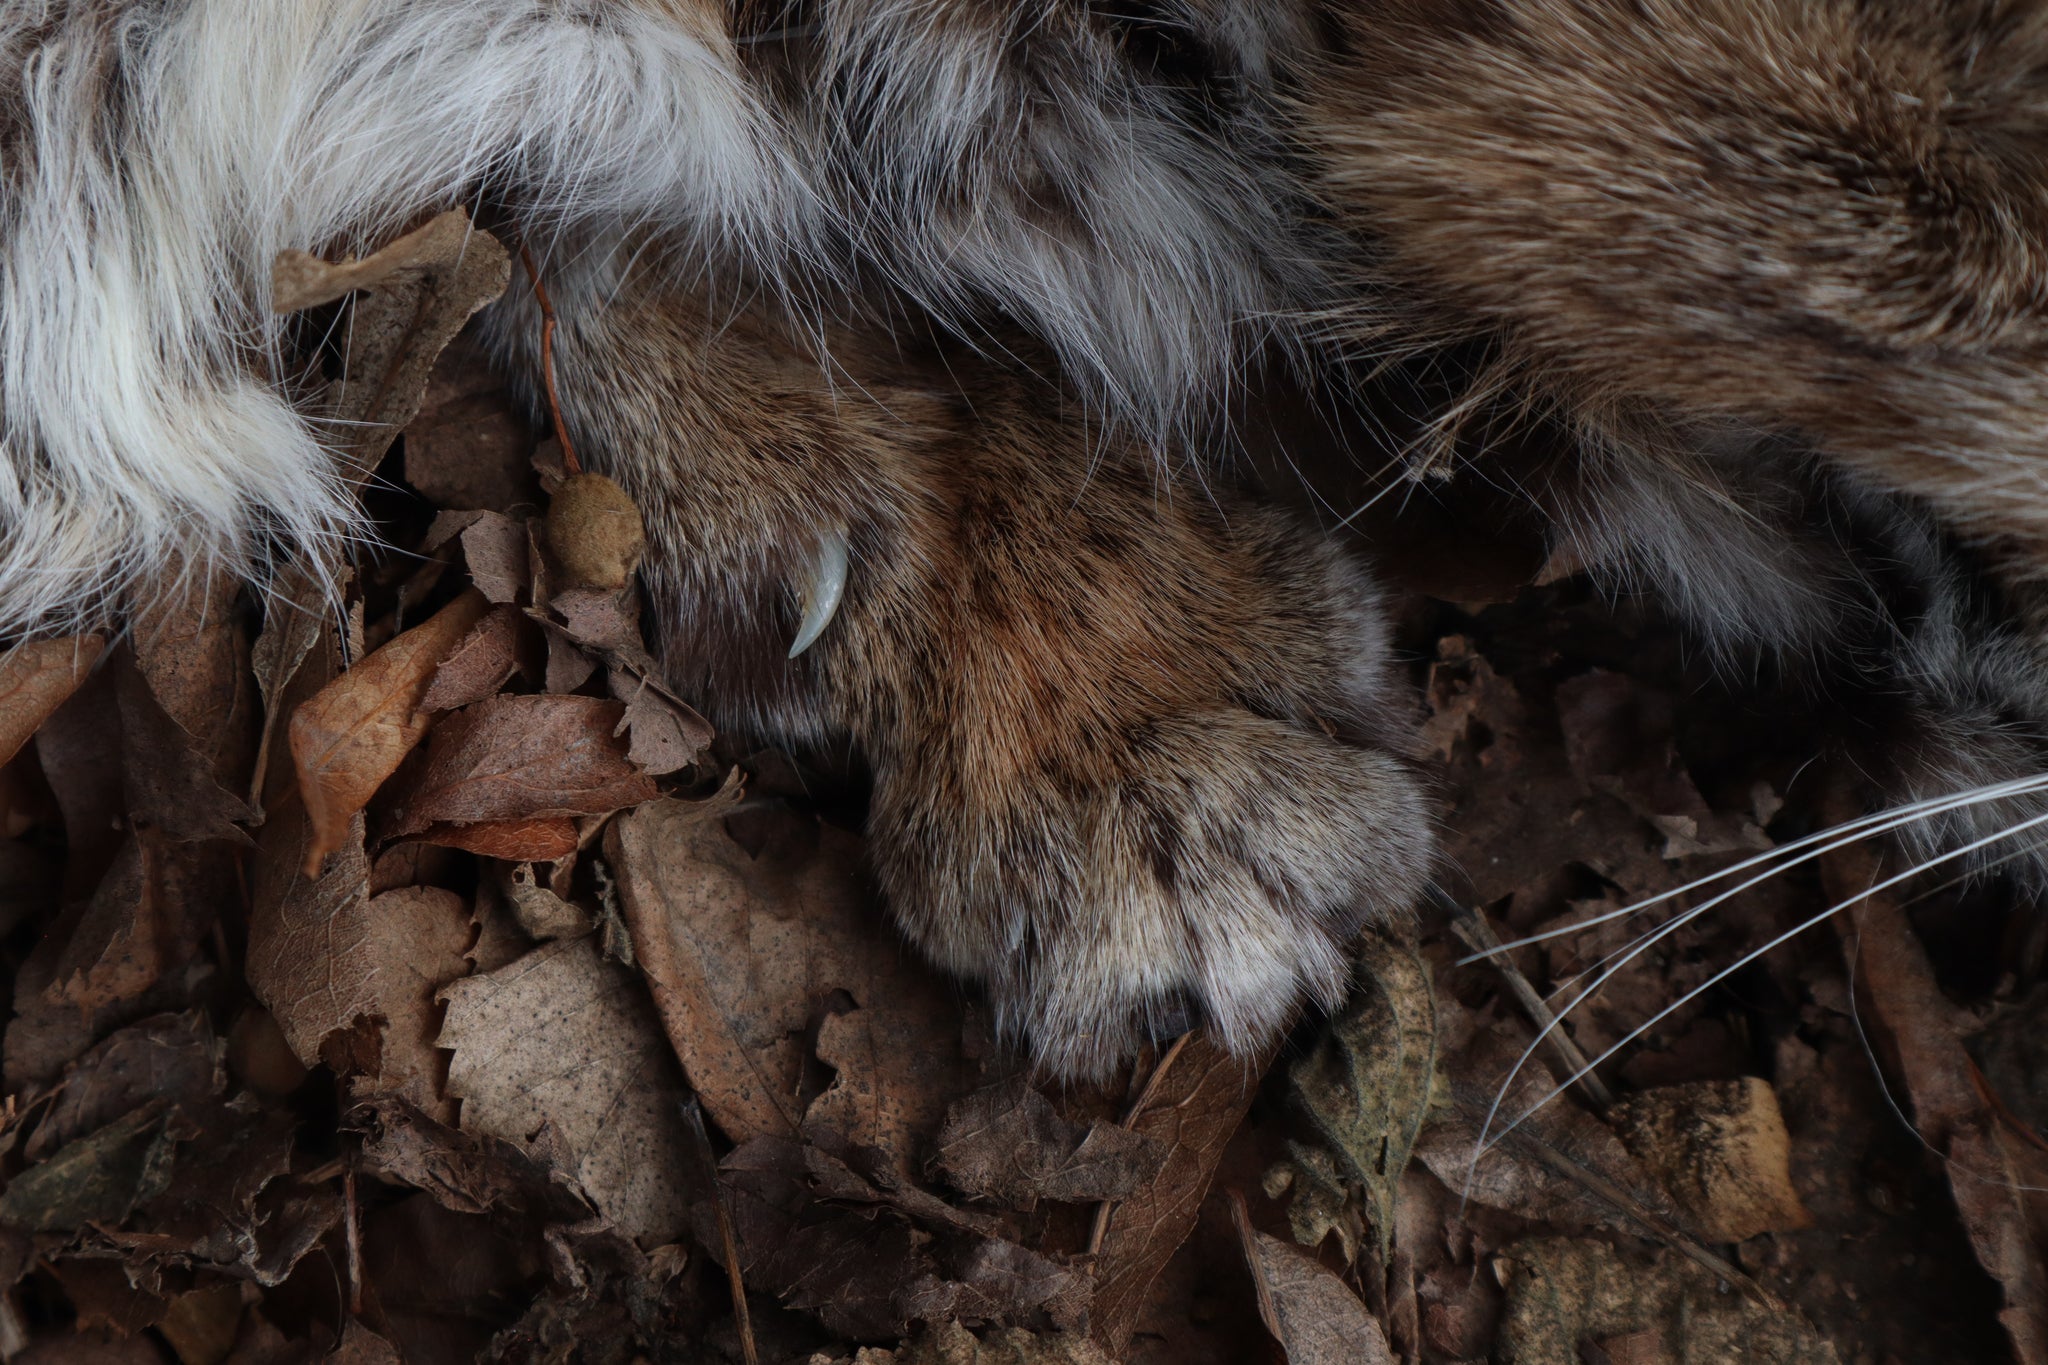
[[1367, 1084]]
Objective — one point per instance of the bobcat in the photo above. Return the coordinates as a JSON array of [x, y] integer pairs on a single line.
[[1779, 268]]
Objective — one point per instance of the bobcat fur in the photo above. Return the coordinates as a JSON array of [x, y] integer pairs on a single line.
[[974, 288]]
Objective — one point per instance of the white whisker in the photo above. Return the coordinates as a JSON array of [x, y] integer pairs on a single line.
[[1877, 823], [1485, 1145]]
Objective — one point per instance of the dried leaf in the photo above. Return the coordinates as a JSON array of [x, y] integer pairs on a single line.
[[35, 679], [296, 618], [865, 1272], [1721, 1149], [952, 1344], [423, 287], [541, 913], [356, 988], [360, 1346], [202, 1325], [1560, 1165], [544, 840], [169, 785], [470, 445], [190, 651], [558, 1055], [495, 547], [1192, 1110], [116, 951], [1312, 1314], [1618, 738], [1367, 1085], [523, 758], [663, 735], [355, 731], [742, 952], [480, 665], [1008, 1145], [463, 1172], [173, 1057], [100, 1178]]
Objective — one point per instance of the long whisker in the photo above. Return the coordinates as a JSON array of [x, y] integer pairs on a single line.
[[1621, 956], [1877, 823], [1486, 1145]]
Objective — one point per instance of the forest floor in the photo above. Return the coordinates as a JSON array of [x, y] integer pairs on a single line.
[[413, 978]]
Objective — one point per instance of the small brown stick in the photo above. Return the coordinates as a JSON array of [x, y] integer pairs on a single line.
[[728, 1244], [1476, 933], [1166, 1060], [547, 360], [353, 1224], [1241, 1217]]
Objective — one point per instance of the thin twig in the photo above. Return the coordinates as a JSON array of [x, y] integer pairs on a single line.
[[353, 1225], [1472, 928], [547, 361], [728, 1244], [1100, 1231]]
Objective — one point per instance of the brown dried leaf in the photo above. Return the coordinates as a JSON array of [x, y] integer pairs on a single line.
[[1721, 1149], [952, 1344], [300, 280], [360, 1346], [170, 1056], [35, 679], [1559, 1165], [663, 735], [864, 1271], [1618, 738], [1008, 1145], [201, 1325], [480, 665], [495, 547], [540, 913], [607, 623], [226, 1205], [355, 731], [356, 987], [189, 649], [516, 841], [569, 666], [116, 950], [558, 1055], [423, 287], [743, 951], [1312, 1314], [463, 1172], [1191, 1111], [169, 785], [522, 758], [106, 1298], [469, 446], [294, 623]]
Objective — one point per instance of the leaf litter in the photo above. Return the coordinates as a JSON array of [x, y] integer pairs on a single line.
[[372, 952]]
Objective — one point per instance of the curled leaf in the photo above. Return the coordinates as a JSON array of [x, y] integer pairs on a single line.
[[354, 732]]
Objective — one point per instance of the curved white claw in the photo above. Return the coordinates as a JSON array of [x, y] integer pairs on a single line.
[[822, 593]]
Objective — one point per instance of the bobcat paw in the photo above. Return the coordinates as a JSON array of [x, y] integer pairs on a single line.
[[1212, 868]]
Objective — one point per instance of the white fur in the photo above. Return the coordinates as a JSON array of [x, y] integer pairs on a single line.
[[165, 154]]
